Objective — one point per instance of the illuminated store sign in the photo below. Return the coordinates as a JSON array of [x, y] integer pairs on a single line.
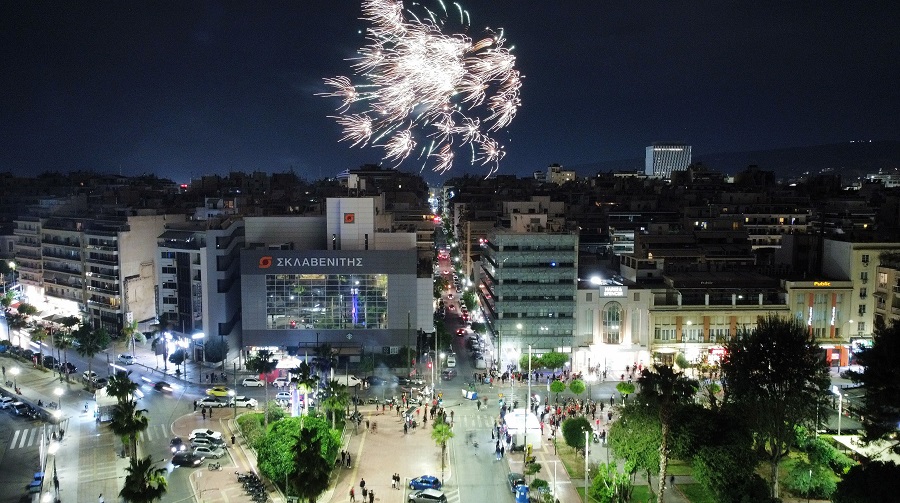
[[614, 291], [267, 262], [821, 283]]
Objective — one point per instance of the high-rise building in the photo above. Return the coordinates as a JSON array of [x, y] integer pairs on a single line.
[[664, 158]]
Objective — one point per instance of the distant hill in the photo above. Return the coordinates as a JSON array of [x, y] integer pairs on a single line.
[[851, 160]]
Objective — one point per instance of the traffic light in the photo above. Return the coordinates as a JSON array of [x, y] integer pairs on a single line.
[[429, 365]]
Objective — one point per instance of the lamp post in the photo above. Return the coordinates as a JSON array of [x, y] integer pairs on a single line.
[[15, 372], [836, 391]]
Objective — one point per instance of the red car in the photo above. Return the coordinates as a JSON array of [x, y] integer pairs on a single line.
[[460, 332]]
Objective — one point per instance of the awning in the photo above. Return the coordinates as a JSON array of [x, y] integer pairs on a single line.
[[665, 351]]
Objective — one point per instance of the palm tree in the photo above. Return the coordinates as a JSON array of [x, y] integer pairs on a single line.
[[262, 363], [336, 399], [121, 387], [305, 380], [441, 434], [127, 422], [90, 342], [143, 483], [664, 390]]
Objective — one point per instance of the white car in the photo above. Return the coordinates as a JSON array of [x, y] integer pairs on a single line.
[[283, 396], [253, 382], [209, 451], [205, 433], [5, 402], [281, 382], [207, 442], [243, 401], [212, 401], [126, 359]]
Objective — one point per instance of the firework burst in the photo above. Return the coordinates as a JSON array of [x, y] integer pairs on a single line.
[[420, 86]]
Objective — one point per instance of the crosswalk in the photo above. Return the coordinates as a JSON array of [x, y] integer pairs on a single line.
[[452, 495], [27, 437], [156, 432]]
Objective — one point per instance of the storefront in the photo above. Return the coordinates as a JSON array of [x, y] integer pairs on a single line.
[[352, 300]]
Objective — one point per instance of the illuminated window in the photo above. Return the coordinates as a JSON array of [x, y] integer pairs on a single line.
[[612, 323], [326, 301]]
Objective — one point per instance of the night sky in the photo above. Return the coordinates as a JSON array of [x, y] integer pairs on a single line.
[[187, 88]]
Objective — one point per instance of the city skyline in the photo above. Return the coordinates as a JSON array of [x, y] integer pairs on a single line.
[[183, 90]]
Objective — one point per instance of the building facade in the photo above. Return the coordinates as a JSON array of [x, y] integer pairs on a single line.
[[663, 158]]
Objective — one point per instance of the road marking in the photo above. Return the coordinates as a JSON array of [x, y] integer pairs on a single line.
[[15, 436]]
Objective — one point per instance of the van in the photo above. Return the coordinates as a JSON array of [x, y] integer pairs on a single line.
[[451, 360], [349, 381]]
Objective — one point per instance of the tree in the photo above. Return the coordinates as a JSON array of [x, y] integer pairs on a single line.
[[129, 332], [216, 350], [625, 389], [90, 342], [278, 459], [881, 380], [121, 387], [311, 469], [554, 360], [557, 387], [303, 377], [128, 422], [574, 429], [441, 434], [144, 483], [262, 364], [577, 386], [635, 437], [663, 390], [64, 338], [7, 299], [775, 375], [178, 357], [536, 362], [336, 400], [874, 482], [609, 485]]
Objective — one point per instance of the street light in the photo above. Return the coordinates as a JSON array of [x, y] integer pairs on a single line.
[[836, 391]]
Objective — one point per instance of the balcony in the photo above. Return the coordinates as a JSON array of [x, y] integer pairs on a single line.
[[106, 248], [103, 291], [99, 259], [61, 242], [64, 270]]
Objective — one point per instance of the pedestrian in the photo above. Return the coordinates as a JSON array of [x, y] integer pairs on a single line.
[[195, 405], [232, 439], [502, 450], [671, 480], [352, 494], [405, 428], [478, 404], [348, 460], [393, 482], [100, 499], [203, 412], [343, 458], [371, 496], [210, 412]]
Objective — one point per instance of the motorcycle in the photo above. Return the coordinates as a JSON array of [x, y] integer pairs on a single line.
[[215, 466]]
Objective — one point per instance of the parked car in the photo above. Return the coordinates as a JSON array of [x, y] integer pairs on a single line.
[[67, 368], [283, 396], [217, 391], [91, 378], [126, 359], [209, 451], [212, 401], [6, 402], [427, 496], [50, 362], [243, 401], [204, 433], [187, 458], [20, 408], [253, 382], [349, 381], [425, 482], [515, 479], [207, 442], [480, 363], [281, 382]]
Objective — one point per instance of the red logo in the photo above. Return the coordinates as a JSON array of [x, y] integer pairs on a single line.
[[265, 262]]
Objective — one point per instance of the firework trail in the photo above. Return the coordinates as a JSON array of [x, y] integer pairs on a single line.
[[419, 85]]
